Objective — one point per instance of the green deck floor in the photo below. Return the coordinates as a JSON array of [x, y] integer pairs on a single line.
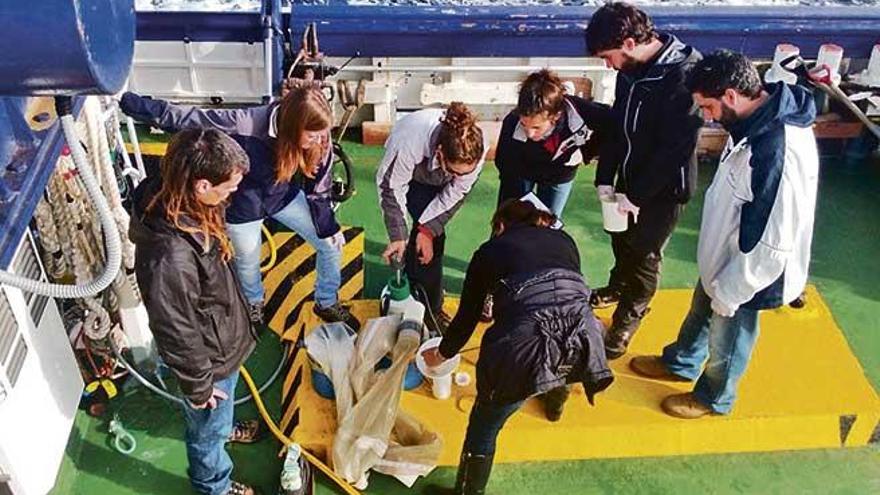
[[845, 267]]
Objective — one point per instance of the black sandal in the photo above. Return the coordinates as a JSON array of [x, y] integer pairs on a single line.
[[246, 431], [240, 489]]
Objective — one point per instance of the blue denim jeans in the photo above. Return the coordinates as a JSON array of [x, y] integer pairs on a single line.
[[553, 195], [246, 240], [726, 342], [486, 421], [207, 430]]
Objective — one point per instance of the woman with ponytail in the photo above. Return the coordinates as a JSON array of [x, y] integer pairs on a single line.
[[288, 143], [432, 159], [546, 138], [197, 312]]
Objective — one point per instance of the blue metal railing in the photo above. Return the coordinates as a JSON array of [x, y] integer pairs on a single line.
[[558, 31], [526, 31]]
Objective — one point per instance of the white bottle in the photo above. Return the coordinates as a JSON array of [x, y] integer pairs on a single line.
[[396, 299], [291, 475]]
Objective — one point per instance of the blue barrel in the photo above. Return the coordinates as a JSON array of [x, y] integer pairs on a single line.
[[55, 47]]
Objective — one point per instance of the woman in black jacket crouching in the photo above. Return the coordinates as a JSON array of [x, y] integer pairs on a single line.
[[544, 335]]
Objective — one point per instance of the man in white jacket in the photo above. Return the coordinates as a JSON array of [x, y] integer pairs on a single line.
[[754, 247]]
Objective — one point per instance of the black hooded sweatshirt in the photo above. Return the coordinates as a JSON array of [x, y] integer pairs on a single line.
[[653, 155]]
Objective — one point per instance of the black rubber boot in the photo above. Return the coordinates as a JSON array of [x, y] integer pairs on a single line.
[[625, 323], [616, 343], [604, 297], [473, 473], [554, 401]]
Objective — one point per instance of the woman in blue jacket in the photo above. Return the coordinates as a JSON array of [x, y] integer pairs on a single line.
[[282, 140]]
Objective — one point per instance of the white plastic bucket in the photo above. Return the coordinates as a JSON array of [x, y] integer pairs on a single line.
[[441, 375], [776, 73], [612, 219]]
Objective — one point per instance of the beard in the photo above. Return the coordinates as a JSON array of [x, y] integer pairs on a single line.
[[728, 116], [630, 65]]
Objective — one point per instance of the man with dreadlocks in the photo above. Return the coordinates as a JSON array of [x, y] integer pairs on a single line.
[[197, 312]]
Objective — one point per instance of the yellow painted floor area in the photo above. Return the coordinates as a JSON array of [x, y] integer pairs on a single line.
[[804, 389]]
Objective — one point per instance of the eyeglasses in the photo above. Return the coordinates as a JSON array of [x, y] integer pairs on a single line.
[[445, 166], [314, 136]]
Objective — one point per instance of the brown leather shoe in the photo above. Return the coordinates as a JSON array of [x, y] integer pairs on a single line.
[[685, 406], [654, 367]]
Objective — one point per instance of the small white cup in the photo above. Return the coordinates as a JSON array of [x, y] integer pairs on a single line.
[[440, 375], [612, 219], [441, 387]]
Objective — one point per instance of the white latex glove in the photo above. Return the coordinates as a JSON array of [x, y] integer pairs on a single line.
[[624, 206], [605, 193], [722, 309], [337, 240]]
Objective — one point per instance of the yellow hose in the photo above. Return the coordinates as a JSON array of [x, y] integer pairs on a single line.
[[273, 250], [346, 487]]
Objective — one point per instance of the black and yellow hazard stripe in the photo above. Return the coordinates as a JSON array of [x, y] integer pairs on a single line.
[[290, 404], [857, 430], [289, 287], [290, 283]]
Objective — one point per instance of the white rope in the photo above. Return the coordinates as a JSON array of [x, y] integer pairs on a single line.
[[53, 257], [104, 165]]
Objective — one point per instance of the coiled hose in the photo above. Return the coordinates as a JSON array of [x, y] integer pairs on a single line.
[[64, 106]]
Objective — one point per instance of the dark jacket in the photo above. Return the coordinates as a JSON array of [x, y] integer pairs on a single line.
[[258, 195], [197, 313], [555, 159], [544, 334], [653, 155]]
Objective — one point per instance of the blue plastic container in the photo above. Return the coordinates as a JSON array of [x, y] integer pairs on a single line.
[[324, 386], [55, 47]]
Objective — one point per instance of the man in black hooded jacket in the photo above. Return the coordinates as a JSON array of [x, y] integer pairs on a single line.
[[651, 164]]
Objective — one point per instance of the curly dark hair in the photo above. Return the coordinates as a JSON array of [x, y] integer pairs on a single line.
[[460, 138], [615, 22], [722, 70]]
